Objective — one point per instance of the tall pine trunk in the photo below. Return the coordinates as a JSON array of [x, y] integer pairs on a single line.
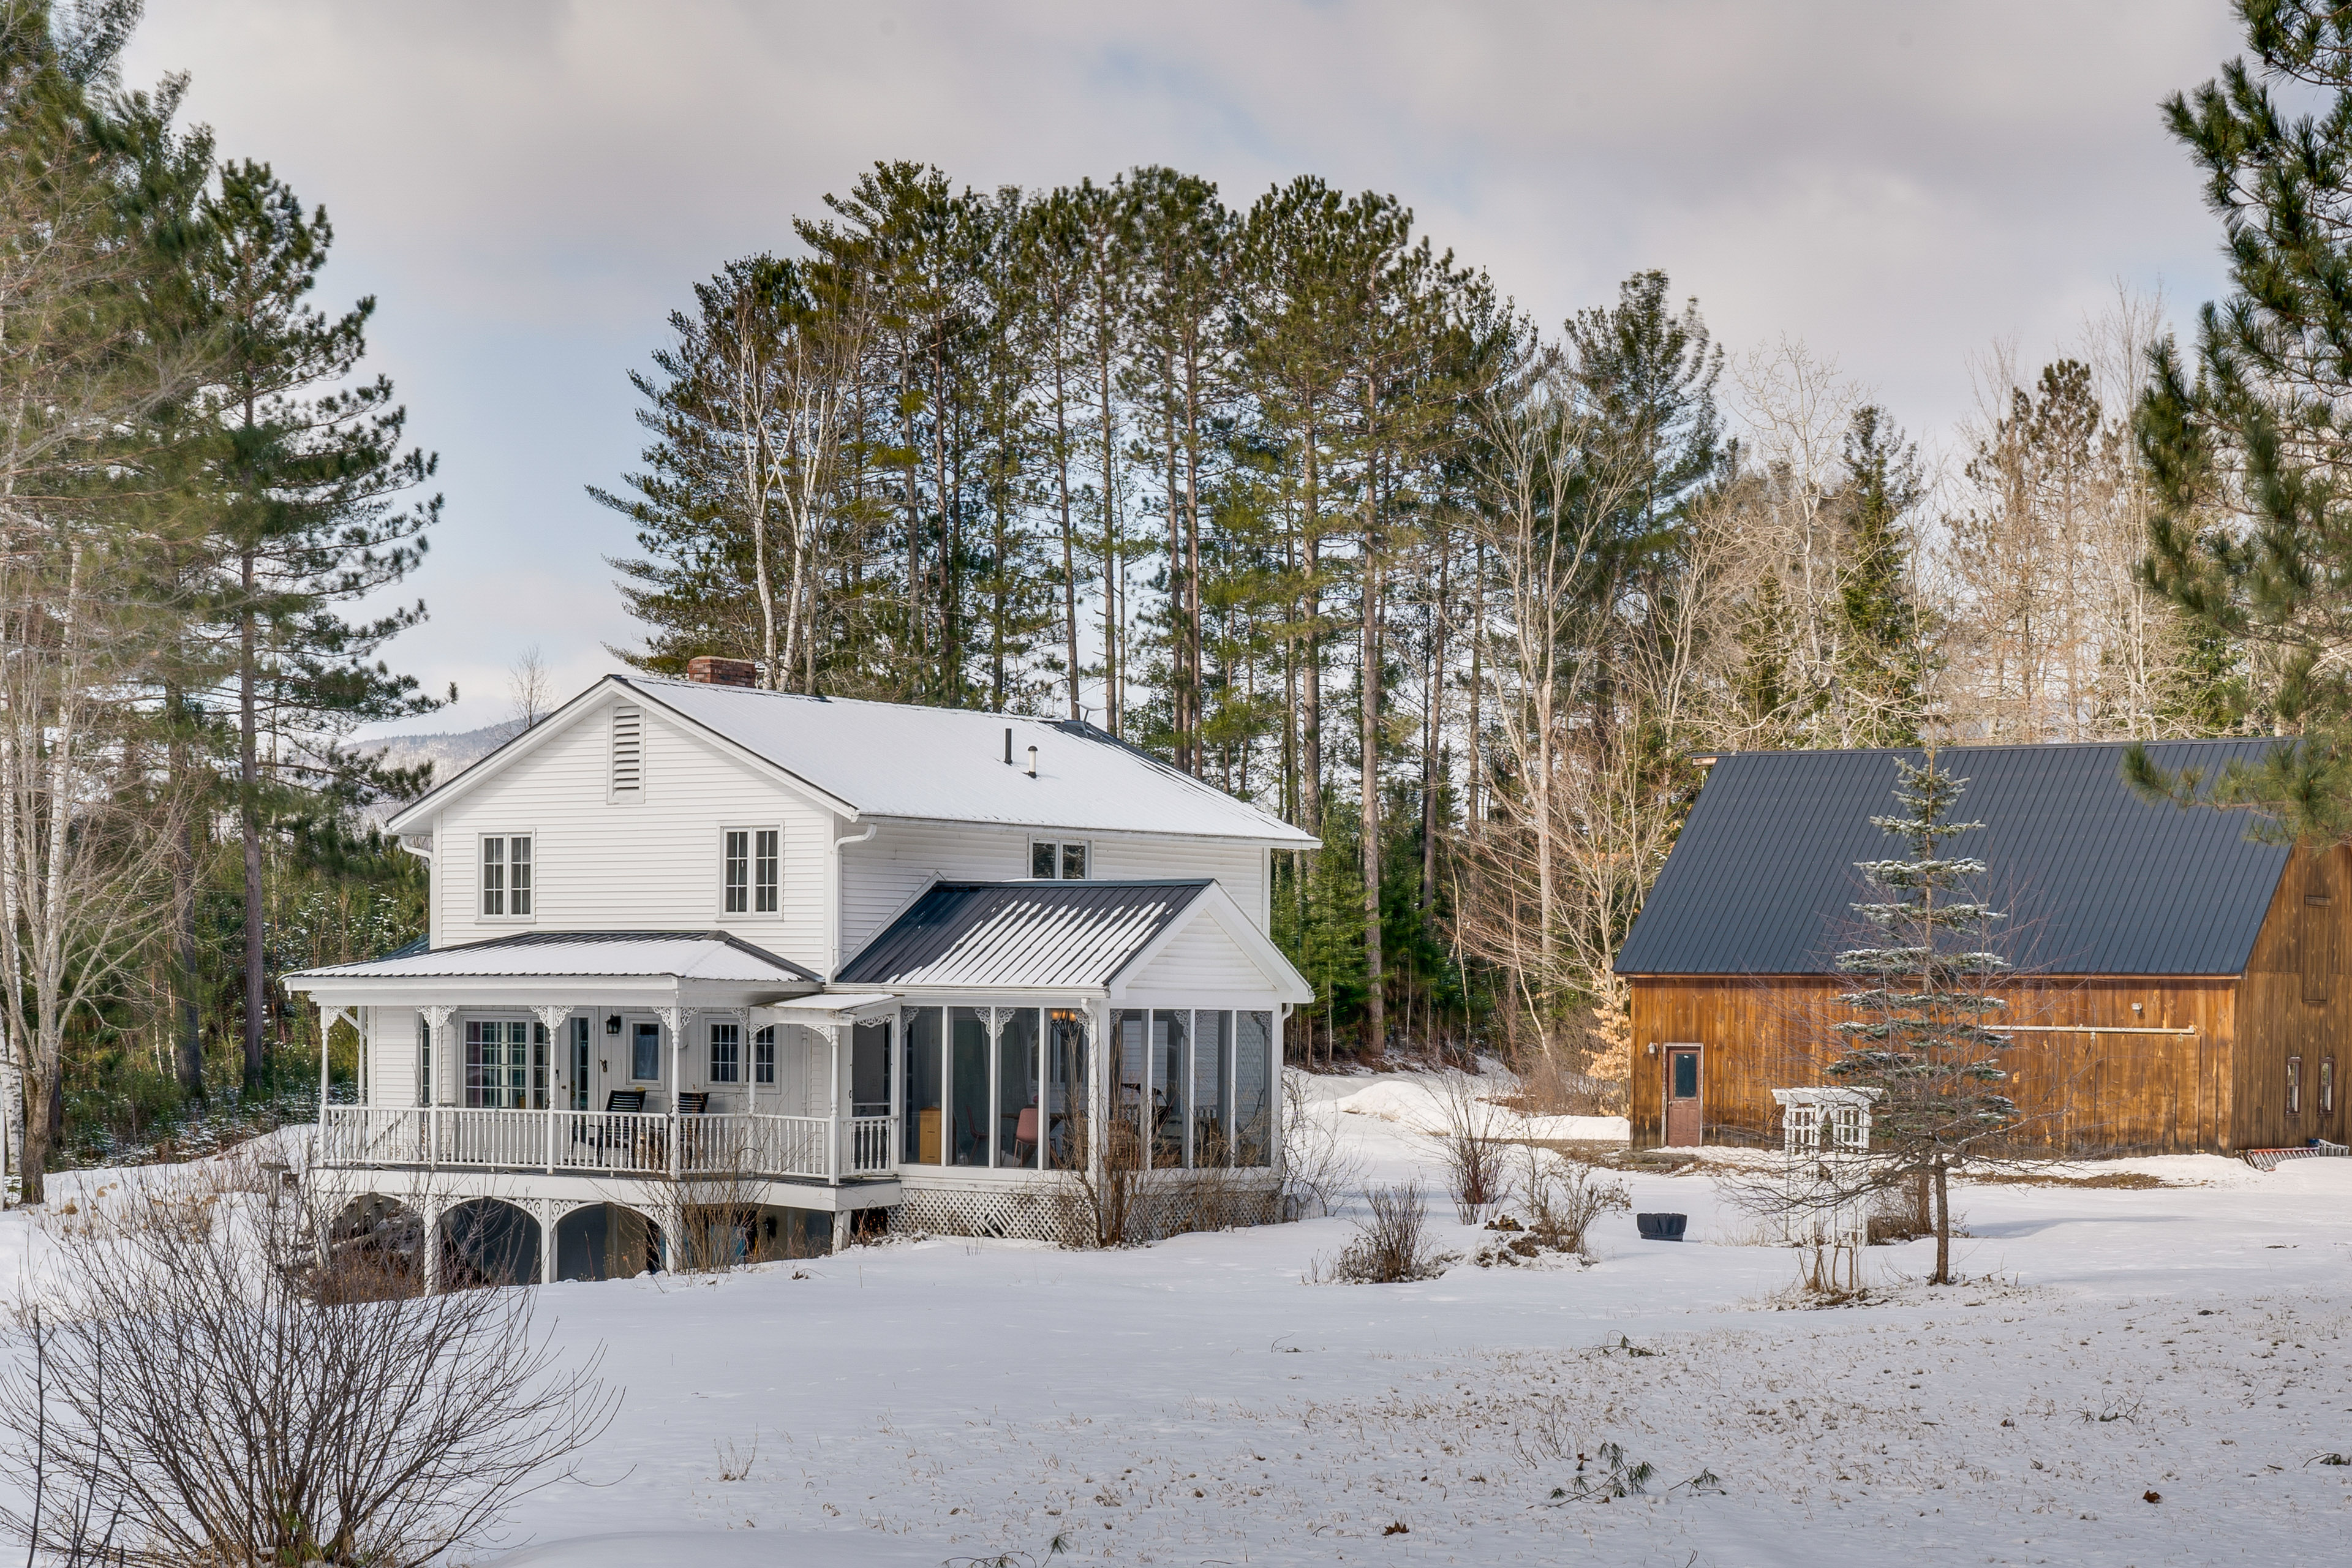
[[1375, 998], [248, 775]]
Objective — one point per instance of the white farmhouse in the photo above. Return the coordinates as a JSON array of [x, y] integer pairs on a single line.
[[839, 958]]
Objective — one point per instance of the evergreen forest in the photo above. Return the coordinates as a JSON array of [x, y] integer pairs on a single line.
[[1273, 484]]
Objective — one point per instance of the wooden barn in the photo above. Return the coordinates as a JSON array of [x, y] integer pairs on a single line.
[[2178, 982]]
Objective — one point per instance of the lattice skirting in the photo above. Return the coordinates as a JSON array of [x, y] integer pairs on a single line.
[[1162, 1208]]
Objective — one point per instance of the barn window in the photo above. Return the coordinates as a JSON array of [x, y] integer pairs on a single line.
[[2295, 1086], [2318, 941]]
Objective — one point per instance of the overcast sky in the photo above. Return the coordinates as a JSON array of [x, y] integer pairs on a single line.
[[528, 189]]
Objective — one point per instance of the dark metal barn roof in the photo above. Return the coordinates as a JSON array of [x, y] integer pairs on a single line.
[[2095, 879], [1055, 934]]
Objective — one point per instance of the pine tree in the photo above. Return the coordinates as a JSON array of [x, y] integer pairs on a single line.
[[307, 489], [1882, 641], [1921, 1035], [2252, 534]]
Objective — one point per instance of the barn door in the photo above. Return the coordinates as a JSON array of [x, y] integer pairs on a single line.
[[1686, 1125]]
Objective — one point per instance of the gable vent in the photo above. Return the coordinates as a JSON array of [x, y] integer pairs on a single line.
[[628, 755]]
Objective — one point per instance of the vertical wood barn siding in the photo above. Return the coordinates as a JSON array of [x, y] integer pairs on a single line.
[[2276, 1021], [2081, 1093]]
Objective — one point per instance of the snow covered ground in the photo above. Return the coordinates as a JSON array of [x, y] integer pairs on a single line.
[[1196, 1402]]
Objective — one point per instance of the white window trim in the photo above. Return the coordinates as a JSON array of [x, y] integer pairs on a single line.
[[538, 887], [750, 911], [1029, 867]]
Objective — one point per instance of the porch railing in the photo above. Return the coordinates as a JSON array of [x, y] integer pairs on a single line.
[[613, 1142]]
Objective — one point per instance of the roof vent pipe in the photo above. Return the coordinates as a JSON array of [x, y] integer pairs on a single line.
[[1008, 748], [1032, 761]]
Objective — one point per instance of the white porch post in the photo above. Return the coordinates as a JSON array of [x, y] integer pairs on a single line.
[[833, 1109], [437, 1020], [327, 1022], [674, 1019], [1101, 1100], [547, 1222], [551, 1018]]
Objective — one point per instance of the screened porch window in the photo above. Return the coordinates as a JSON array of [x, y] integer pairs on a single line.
[[1207, 1079], [984, 1086]]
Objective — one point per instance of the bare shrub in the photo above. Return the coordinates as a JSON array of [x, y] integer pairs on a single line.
[[1317, 1169], [1101, 1195], [1563, 1196], [1390, 1248], [713, 1215], [1476, 1158], [190, 1387]]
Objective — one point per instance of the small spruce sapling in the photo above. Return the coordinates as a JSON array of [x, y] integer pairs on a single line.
[[1920, 1033]]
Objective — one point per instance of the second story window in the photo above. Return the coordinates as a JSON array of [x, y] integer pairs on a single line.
[[747, 871], [1063, 861], [507, 867]]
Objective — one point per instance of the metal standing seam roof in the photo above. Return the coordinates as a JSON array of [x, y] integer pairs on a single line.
[[687, 956], [895, 760], [1014, 934], [2093, 878]]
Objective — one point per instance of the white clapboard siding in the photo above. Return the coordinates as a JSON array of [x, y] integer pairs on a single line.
[[647, 864], [1199, 961], [392, 1056], [880, 876]]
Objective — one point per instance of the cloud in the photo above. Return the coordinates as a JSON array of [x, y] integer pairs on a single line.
[[530, 188]]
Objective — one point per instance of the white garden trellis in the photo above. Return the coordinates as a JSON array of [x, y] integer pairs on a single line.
[[1824, 1207]]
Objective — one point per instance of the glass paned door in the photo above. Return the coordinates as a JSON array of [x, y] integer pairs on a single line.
[[579, 1068], [503, 1059], [869, 1069]]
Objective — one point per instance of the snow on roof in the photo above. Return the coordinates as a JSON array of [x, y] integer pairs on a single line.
[[893, 760], [687, 956], [2091, 878], [1057, 934]]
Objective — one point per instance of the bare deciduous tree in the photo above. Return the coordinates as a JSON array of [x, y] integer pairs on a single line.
[[190, 1388]]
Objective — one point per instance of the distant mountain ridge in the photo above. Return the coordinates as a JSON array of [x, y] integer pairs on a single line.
[[451, 753]]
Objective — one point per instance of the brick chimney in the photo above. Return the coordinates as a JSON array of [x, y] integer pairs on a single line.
[[722, 671]]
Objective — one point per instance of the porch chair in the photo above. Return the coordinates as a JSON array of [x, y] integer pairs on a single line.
[[693, 1102], [602, 1137], [1024, 1132]]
